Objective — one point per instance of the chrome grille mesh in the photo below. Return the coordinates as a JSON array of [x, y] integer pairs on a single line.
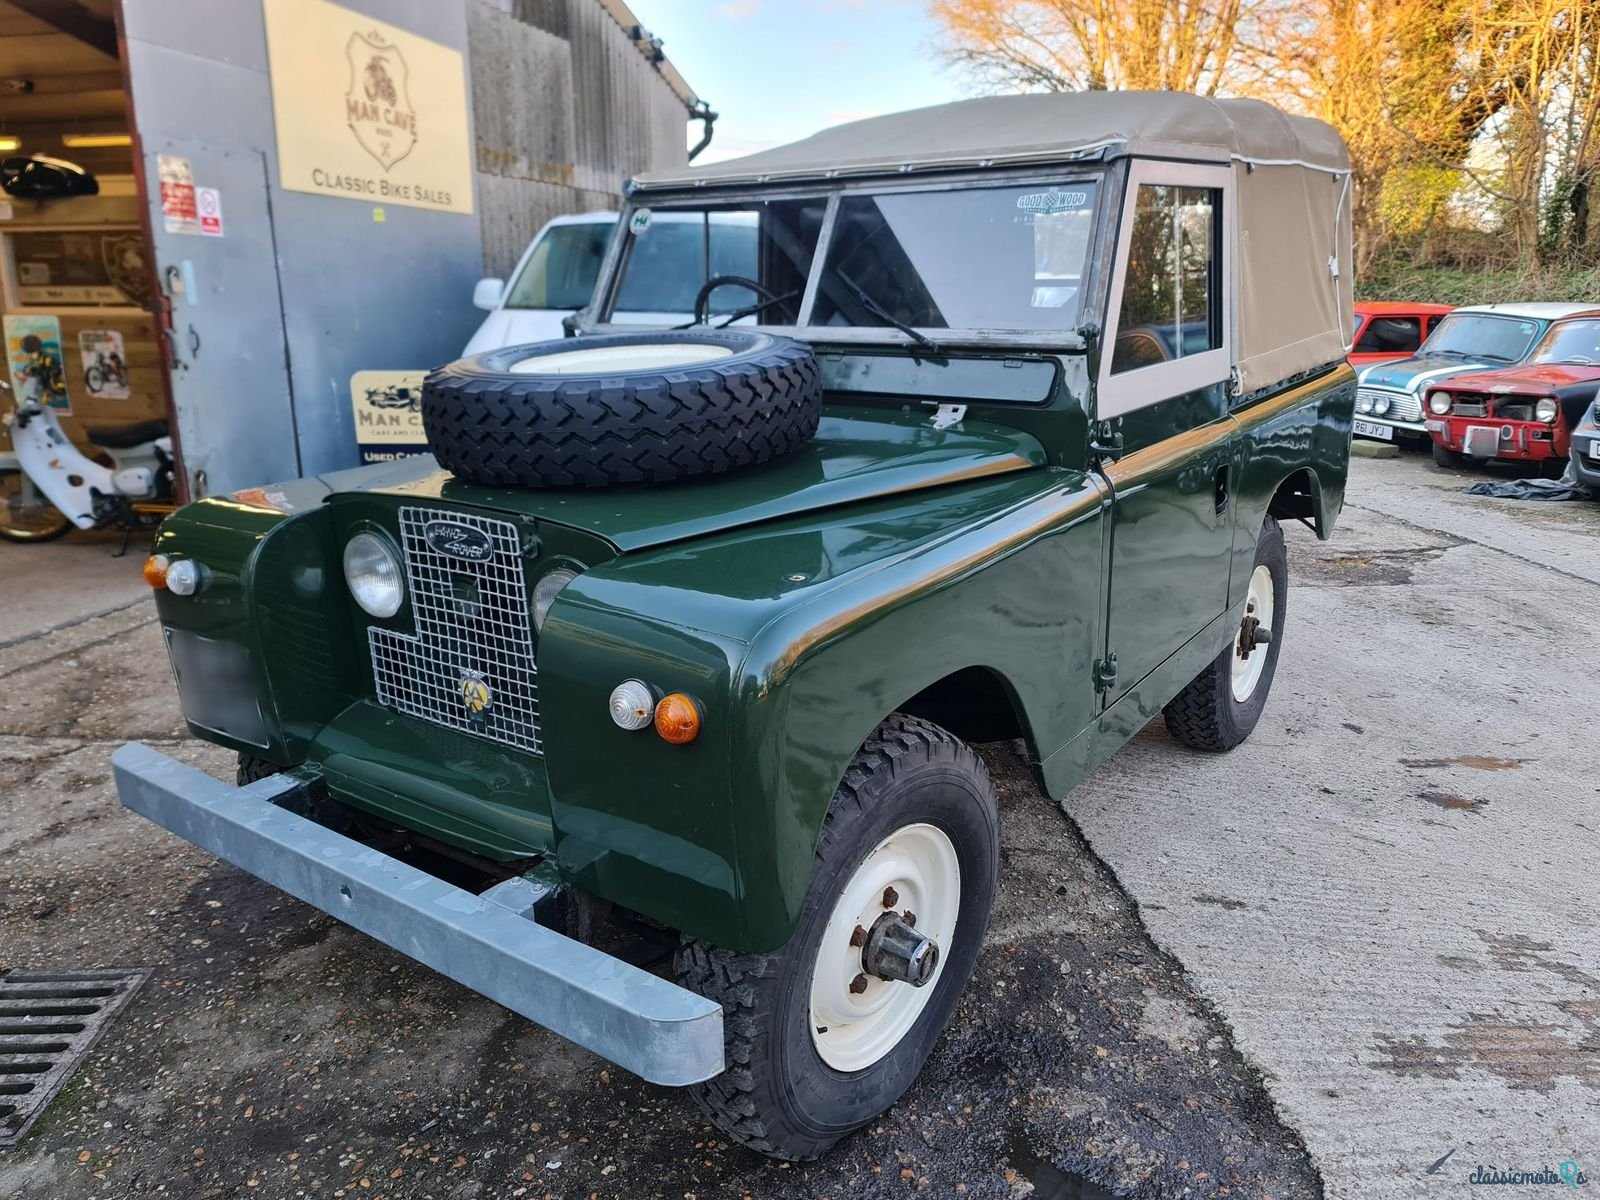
[[1403, 406], [472, 623]]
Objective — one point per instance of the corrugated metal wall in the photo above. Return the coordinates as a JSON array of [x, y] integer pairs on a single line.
[[565, 108]]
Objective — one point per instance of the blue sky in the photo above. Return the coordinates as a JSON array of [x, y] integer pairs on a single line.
[[777, 70]]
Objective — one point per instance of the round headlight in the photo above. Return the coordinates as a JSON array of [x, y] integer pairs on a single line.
[[633, 704], [1363, 402], [1439, 403], [1380, 405], [546, 591], [184, 577], [1545, 409], [373, 573]]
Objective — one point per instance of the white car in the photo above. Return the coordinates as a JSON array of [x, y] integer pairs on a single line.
[[556, 275]]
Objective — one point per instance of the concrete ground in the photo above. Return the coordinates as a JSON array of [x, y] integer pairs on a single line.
[[1372, 927], [1389, 892]]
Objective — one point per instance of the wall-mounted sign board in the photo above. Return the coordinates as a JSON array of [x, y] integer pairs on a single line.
[[366, 110], [387, 406]]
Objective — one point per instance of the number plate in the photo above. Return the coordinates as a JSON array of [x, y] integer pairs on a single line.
[[1594, 448], [1369, 429]]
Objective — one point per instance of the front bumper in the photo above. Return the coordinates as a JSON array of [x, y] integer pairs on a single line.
[[648, 1025], [1512, 440], [1585, 464]]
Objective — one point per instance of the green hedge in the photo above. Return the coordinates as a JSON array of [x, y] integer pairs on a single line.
[[1454, 285]]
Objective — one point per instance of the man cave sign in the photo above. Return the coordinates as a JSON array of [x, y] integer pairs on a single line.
[[378, 106]]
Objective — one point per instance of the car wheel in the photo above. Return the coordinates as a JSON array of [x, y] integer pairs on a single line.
[[1222, 704], [252, 768], [1447, 459], [825, 1033]]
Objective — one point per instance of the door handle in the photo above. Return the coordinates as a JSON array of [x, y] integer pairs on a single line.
[[1222, 489]]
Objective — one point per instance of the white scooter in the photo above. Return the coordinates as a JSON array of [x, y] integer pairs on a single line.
[[48, 485]]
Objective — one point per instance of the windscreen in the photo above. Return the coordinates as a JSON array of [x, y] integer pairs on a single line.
[[1479, 336], [561, 271], [761, 250], [992, 258], [1574, 342]]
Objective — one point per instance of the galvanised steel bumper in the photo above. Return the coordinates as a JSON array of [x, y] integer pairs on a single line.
[[652, 1027]]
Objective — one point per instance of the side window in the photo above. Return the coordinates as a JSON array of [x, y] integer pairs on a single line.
[[1171, 298], [1391, 335]]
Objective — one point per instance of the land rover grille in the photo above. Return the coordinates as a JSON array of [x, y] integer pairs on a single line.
[[470, 664]]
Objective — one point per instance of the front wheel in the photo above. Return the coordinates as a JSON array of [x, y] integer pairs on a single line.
[[25, 515], [1447, 459], [1222, 704], [825, 1033]]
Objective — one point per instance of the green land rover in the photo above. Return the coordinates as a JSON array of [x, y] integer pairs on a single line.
[[975, 422]]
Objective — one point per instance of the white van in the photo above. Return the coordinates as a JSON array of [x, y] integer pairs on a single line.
[[557, 273], [554, 278]]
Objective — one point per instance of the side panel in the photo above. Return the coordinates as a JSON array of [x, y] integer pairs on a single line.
[[1172, 529], [1021, 597], [825, 626]]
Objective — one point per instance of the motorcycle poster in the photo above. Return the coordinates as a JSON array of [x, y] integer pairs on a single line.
[[33, 354], [105, 365]]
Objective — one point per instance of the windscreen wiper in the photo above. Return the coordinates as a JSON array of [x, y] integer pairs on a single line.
[[750, 310], [883, 314], [738, 314]]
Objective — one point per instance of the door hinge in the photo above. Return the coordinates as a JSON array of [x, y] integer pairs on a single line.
[[1105, 673], [1105, 442]]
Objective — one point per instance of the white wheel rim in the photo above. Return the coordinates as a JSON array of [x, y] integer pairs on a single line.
[[1247, 670], [852, 1031], [598, 360]]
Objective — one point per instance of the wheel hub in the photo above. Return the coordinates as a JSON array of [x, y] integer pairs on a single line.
[[897, 952], [883, 946], [1255, 630]]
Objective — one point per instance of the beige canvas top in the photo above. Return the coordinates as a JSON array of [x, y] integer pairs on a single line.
[[1052, 127], [1291, 267]]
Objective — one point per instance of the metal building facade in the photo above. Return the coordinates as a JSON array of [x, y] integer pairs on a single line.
[[267, 325]]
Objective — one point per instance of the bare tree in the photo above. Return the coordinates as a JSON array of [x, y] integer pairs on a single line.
[[1081, 45]]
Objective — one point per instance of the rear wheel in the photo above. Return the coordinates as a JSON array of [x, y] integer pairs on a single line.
[[25, 515], [825, 1033], [1447, 459], [1222, 704]]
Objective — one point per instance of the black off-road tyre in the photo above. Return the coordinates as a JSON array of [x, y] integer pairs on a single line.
[[777, 1095], [252, 768], [1205, 715], [490, 425], [1447, 459]]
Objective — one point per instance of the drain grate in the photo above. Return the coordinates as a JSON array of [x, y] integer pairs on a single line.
[[48, 1022]]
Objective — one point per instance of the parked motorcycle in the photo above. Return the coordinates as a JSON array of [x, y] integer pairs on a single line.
[[48, 485]]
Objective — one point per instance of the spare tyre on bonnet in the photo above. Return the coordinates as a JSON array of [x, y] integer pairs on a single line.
[[622, 408]]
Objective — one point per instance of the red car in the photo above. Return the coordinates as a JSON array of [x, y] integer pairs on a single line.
[[1386, 330], [1523, 413]]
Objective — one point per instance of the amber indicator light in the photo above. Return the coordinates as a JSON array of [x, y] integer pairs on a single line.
[[155, 570], [678, 719]]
